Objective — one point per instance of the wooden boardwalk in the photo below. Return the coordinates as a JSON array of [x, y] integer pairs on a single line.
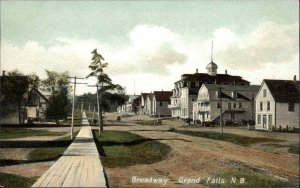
[[79, 166]]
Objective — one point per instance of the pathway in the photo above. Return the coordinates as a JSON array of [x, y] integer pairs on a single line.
[[79, 166]]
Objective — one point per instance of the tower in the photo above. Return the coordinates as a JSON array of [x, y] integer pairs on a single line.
[[212, 67]]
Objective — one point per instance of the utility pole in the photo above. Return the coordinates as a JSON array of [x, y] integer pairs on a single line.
[[220, 100], [99, 110], [72, 123]]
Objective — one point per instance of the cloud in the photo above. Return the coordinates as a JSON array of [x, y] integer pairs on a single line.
[[152, 49], [268, 43]]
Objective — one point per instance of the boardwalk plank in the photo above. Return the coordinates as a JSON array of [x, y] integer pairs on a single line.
[[79, 166]]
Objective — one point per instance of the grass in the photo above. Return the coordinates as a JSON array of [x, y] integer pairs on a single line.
[[294, 149], [121, 149], [227, 137], [10, 180], [43, 154], [146, 122], [49, 153], [7, 133], [251, 180]]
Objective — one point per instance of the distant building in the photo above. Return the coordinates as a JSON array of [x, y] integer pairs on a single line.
[[186, 90], [149, 105], [132, 105], [36, 106], [277, 104], [161, 100], [144, 103], [235, 101]]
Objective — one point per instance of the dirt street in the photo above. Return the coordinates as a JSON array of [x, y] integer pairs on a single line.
[[201, 157]]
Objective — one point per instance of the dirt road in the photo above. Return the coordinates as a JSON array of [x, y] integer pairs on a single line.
[[201, 157]]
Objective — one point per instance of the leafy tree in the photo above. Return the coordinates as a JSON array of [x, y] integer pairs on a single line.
[[104, 81], [14, 86], [58, 85]]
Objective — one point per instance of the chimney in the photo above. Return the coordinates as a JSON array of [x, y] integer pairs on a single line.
[[225, 71], [295, 78], [196, 70], [3, 73]]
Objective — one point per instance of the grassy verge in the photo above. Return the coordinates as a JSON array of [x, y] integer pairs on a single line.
[[294, 149], [146, 122], [121, 149], [227, 137], [49, 153], [7, 133], [10, 180], [250, 180]]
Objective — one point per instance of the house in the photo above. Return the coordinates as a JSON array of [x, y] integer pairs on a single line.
[[186, 90], [149, 105], [33, 103], [161, 100], [144, 102], [277, 104], [132, 105], [235, 103], [36, 106]]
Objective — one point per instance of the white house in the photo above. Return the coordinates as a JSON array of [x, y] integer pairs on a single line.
[[234, 102], [186, 90], [277, 104]]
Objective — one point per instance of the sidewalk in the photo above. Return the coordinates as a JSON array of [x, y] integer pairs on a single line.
[[79, 166]]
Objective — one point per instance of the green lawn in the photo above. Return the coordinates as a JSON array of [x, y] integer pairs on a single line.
[[294, 149], [10, 180], [146, 122], [121, 149], [227, 137], [49, 153], [7, 133]]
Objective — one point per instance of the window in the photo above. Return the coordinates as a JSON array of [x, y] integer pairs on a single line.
[[160, 103], [234, 94], [268, 105], [291, 107], [218, 105], [260, 106], [234, 105], [258, 119], [217, 94], [264, 92], [229, 105], [240, 105]]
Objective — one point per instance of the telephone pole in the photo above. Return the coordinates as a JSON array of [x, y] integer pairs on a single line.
[[75, 82], [100, 123]]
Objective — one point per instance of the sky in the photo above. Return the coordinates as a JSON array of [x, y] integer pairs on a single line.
[[148, 45]]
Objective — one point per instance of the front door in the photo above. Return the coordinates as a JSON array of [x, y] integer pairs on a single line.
[[264, 121]]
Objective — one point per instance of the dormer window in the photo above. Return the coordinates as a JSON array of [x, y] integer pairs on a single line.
[[234, 94]]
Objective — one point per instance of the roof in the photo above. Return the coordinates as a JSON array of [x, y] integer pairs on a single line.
[[218, 78], [144, 95], [162, 95], [232, 87], [132, 97], [211, 65], [285, 91]]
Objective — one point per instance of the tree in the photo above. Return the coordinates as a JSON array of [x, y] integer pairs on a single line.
[[58, 85], [105, 83], [14, 86]]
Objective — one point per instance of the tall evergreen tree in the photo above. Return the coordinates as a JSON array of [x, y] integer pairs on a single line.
[[104, 81]]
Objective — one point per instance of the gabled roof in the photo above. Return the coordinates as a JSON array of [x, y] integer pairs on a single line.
[[162, 95], [218, 78], [144, 95], [285, 91]]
